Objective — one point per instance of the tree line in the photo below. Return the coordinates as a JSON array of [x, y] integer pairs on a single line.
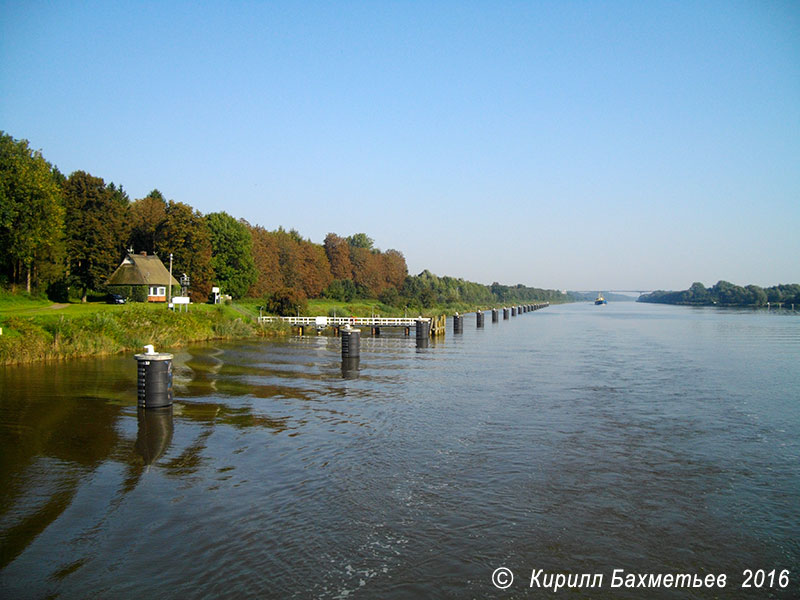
[[724, 293], [64, 235]]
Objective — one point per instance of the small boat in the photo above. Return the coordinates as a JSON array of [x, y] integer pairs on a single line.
[[600, 300]]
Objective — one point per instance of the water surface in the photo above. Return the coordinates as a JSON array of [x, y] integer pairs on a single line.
[[575, 439]]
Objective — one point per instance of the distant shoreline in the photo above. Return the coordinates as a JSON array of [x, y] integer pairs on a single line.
[[726, 294]]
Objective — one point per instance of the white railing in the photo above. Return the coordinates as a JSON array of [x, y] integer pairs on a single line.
[[323, 322]]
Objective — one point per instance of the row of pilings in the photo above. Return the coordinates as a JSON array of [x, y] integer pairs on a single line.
[[155, 368], [425, 330]]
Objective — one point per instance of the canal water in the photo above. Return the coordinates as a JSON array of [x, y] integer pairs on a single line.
[[574, 439]]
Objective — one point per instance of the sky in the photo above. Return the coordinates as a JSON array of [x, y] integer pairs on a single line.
[[565, 145]]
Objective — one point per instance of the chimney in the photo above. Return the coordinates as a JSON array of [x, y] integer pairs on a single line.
[[143, 253]]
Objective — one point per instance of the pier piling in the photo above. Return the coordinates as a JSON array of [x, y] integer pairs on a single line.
[[458, 323], [423, 333]]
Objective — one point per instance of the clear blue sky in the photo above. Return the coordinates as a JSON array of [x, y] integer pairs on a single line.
[[580, 145]]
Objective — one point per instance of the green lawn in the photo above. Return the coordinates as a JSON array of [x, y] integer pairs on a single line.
[[35, 307], [18, 304], [46, 312]]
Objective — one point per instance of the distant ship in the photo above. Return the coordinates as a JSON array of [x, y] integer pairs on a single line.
[[600, 300]]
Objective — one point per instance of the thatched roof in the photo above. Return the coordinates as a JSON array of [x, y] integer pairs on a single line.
[[139, 269]]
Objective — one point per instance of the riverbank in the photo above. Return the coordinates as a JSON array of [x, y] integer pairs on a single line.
[[94, 330], [35, 330]]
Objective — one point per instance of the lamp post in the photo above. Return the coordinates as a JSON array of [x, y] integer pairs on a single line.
[[169, 283]]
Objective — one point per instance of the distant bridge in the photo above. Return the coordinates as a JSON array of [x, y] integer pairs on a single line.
[[640, 292]]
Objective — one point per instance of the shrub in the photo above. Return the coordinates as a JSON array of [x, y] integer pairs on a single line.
[[58, 291], [389, 296], [343, 290], [286, 302], [138, 293]]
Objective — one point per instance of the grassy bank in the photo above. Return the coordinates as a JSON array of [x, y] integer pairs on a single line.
[[35, 330]]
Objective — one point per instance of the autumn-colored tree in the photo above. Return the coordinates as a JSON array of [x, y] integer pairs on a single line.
[[395, 269], [288, 258], [314, 269], [184, 233], [303, 265], [31, 215], [367, 271], [266, 257], [96, 225], [338, 252]]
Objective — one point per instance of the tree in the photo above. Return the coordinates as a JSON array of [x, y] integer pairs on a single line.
[[337, 250], [185, 234], [31, 214], [360, 240], [266, 257], [231, 253], [314, 269], [758, 296], [698, 294], [96, 229], [367, 273], [288, 258], [395, 270], [147, 217]]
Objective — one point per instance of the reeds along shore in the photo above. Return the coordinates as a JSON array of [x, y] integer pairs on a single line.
[[53, 337]]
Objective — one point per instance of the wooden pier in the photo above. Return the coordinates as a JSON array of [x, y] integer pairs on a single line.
[[323, 322], [437, 324]]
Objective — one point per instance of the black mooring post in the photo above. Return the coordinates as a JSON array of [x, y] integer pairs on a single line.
[[423, 332], [351, 343], [154, 385]]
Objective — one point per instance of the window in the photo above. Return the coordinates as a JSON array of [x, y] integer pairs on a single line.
[[157, 291]]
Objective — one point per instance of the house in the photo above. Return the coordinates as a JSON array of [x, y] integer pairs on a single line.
[[145, 271]]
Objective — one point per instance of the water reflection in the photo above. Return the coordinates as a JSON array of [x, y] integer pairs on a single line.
[[62, 423], [154, 434], [196, 369], [56, 428], [240, 417]]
